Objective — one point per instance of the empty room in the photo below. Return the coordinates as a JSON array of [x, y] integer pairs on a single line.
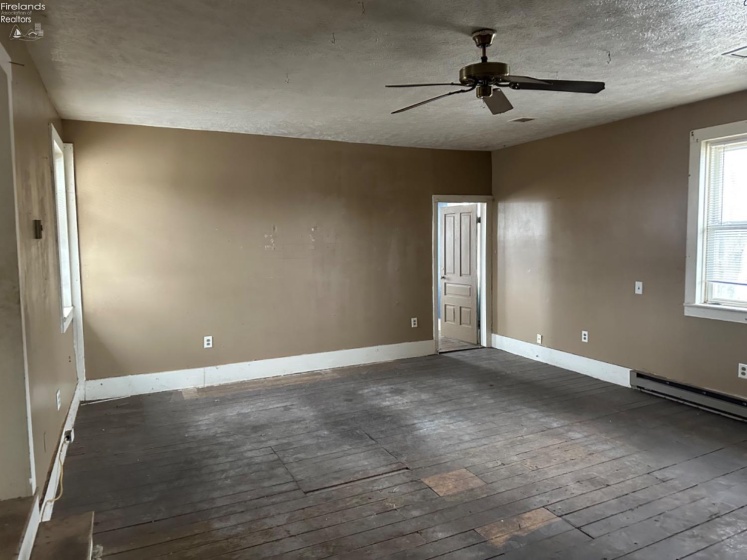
[[361, 279]]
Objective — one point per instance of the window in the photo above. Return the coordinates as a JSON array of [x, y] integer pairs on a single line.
[[63, 231], [716, 284]]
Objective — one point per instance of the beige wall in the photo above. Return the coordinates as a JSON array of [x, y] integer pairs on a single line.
[[584, 215], [274, 246], [50, 353], [15, 467]]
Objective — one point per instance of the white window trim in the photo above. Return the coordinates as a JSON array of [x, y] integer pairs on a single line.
[[694, 306], [66, 312]]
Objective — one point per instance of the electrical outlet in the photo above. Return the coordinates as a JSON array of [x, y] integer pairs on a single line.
[[207, 342], [414, 322], [743, 371], [59, 399], [539, 339], [584, 336], [639, 288]]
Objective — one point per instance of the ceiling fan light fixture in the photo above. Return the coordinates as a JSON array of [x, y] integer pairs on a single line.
[[483, 91]]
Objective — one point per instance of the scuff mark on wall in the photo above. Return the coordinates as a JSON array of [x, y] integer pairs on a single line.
[[270, 239]]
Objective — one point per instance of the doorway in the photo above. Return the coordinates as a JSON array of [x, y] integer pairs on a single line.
[[461, 271]]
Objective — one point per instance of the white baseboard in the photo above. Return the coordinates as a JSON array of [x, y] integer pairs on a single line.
[[47, 504], [116, 387], [593, 368]]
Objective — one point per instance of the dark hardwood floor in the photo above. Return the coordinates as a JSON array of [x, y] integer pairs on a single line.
[[471, 455], [14, 515]]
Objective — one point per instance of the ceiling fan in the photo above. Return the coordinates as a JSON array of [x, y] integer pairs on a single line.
[[485, 78]]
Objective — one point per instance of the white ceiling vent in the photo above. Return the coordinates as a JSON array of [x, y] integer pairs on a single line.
[[741, 52], [523, 119]]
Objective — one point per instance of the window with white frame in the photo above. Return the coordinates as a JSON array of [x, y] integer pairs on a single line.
[[63, 231], [717, 229]]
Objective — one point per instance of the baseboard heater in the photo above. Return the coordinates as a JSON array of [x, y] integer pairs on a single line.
[[687, 394]]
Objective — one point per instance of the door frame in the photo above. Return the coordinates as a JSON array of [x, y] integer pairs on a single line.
[[485, 231], [5, 63]]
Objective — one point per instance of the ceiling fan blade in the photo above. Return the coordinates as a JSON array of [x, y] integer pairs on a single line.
[[423, 85], [561, 85], [498, 102], [431, 99], [523, 80]]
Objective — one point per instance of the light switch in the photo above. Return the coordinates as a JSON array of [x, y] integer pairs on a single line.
[[639, 288]]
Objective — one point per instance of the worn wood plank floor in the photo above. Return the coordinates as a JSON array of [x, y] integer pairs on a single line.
[[13, 517], [472, 455]]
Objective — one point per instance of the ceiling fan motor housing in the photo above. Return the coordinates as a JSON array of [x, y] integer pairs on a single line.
[[483, 74]]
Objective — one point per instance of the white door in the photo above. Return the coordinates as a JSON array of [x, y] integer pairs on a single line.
[[459, 312]]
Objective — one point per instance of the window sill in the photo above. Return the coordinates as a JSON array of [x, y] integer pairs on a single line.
[[67, 318], [718, 312]]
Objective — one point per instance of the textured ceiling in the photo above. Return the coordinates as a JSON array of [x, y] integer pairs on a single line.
[[316, 68]]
